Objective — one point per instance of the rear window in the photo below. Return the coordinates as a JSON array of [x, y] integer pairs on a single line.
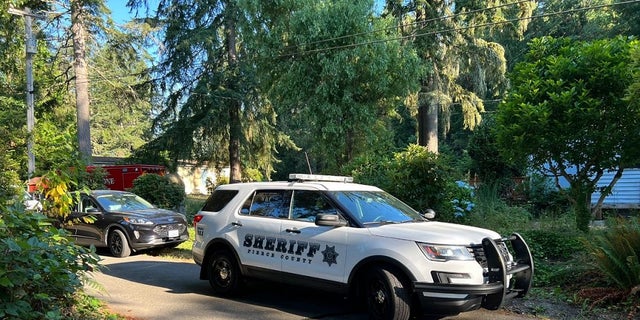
[[218, 200]]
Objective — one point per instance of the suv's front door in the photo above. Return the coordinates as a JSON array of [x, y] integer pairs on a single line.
[[86, 223], [315, 251]]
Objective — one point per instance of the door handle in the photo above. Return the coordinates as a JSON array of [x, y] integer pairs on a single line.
[[294, 230], [236, 224]]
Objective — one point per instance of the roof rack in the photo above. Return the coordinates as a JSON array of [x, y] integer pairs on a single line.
[[319, 177]]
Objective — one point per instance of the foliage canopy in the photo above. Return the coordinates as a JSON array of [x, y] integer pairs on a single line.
[[567, 114], [337, 77]]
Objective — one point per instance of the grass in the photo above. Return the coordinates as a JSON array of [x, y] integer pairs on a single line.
[[181, 252], [87, 307]]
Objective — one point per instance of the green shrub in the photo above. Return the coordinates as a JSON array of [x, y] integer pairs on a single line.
[[93, 180], [491, 212], [87, 307], [543, 196], [503, 219], [617, 252], [162, 191], [421, 179], [9, 180], [553, 244], [486, 160], [370, 169], [193, 204], [40, 270], [553, 241], [555, 253]]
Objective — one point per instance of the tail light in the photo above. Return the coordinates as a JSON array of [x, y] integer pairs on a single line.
[[197, 219]]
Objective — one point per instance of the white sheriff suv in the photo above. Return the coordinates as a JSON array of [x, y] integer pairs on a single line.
[[328, 233]]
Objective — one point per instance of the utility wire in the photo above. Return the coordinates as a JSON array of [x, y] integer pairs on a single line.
[[482, 25], [432, 32], [413, 23]]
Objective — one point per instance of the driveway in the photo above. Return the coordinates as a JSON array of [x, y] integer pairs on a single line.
[[146, 287]]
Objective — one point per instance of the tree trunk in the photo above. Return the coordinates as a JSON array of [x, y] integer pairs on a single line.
[[432, 127], [235, 128], [235, 174], [81, 81], [423, 117], [596, 211], [428, 125], [427, 107], [582, 196]]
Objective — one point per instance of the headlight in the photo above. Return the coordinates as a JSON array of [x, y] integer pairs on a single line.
[[137, 220], [438, 252]]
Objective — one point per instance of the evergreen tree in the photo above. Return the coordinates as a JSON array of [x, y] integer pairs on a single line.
[[464, 66], [213, 112], [122, 92], [337, 76]]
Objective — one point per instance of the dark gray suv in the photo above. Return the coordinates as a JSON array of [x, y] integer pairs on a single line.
[[124, 222]]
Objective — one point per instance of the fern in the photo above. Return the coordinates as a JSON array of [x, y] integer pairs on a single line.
[[617, 253]]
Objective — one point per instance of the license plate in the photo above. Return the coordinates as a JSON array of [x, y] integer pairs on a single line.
[[173, 233]]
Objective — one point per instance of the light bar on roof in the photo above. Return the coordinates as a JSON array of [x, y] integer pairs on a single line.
[[319, 177]]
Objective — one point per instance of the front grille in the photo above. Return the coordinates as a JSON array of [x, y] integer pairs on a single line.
[[163, 229], [478, 253]]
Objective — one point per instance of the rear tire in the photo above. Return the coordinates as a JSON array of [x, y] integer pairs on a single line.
[[224, 273], [118, 244], [386, 296]]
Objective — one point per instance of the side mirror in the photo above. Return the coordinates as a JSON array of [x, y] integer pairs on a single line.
[[330, 220], [93, 210], [429, 214]]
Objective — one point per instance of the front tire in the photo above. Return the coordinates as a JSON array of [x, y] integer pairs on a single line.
[[224, 273], [386, 296], [118, 244]]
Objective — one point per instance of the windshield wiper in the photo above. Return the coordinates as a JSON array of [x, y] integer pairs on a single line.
[[381, 222]]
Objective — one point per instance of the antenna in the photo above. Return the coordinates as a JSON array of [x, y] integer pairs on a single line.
[[308, 163]]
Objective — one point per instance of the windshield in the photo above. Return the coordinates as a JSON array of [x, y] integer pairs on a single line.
[[123, 202], [376, 207]]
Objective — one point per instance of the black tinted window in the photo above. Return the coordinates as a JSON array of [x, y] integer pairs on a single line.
[[218, 199], [271, 203], [87, 205], [307, 204]]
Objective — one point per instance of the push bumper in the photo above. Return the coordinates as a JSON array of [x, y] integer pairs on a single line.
[[502, 284]]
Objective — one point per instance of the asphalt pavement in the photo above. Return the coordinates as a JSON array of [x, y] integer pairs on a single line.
[[146, 287]]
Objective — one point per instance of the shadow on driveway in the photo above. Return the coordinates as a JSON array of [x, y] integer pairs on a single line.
[[147, 287], [136, 280]]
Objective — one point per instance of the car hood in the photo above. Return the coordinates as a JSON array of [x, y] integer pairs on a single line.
[[158, 215], [434, 232]]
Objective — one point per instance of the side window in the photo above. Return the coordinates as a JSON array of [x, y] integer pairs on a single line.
[[88, 204], [218, 200], [268, 203], [307, 204]]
